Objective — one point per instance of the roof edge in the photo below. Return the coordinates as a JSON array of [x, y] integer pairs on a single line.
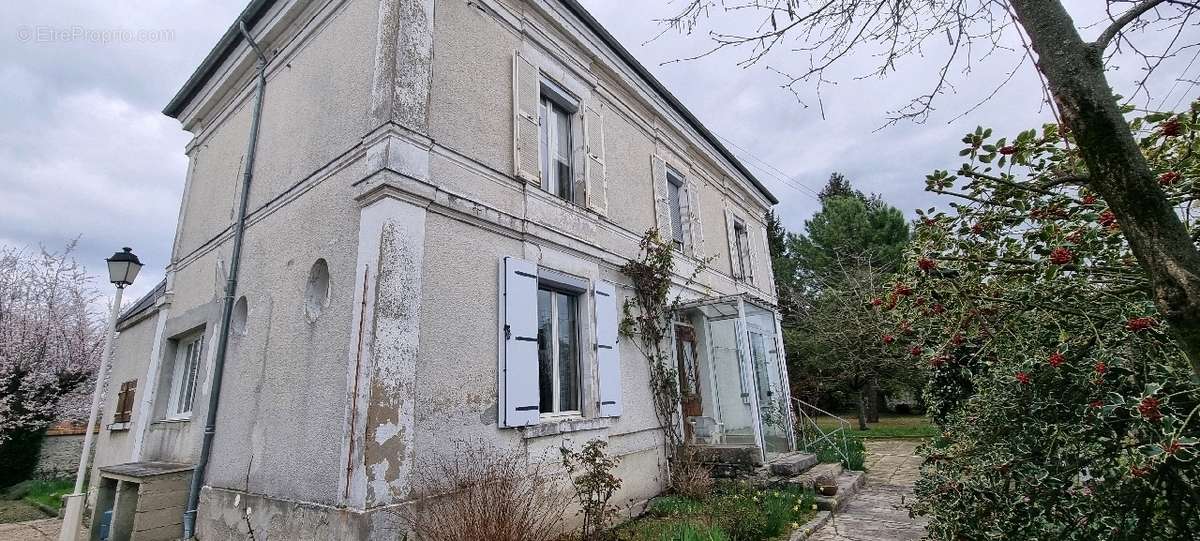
[[257, 8]]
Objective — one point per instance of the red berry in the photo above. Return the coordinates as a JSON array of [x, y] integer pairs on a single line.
[[1008, 150], [1168, 178], [1139, 324], [937, 308], [1173, 447], [926, 264], [1108, 219], [876, 301], [1139, 471], [977, 228], [1023, 377], [1101, 367], [1089, 199], [1149, 409], [915, 351], [903, 290], [937, 361], [1061, 256], [957, 339], [1056, 359], [1096, 404], [1170, 128], [888, 339]]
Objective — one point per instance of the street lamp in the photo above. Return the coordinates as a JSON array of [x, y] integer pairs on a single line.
[[123, 268]]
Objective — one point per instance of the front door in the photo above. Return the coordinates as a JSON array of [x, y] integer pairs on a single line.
[[689, 376]]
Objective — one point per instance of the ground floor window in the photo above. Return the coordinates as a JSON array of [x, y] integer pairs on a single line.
[[558, 351]]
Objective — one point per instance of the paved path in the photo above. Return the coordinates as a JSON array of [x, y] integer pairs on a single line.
[[877, 513], [34, 530]]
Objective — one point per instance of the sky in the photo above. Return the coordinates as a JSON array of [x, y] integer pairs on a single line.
[[86, 154]]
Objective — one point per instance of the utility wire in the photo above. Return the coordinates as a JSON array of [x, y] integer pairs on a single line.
[[773, 171]]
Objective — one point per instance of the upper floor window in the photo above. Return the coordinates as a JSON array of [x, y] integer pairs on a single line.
[[556, 112], [741, 252], [183, 379], [558, 351], [676, 195]]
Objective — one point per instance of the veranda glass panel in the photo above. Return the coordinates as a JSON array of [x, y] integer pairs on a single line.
[[768, 377]]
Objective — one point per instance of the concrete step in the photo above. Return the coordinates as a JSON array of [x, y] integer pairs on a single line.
[[849, 483], [793, 464]]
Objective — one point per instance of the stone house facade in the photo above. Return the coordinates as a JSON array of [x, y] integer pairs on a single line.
[[443, 195]]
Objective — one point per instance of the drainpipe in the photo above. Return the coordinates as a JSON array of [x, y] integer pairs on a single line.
[[239, 230]]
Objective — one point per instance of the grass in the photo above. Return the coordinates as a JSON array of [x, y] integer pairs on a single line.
[[890, 426], [733, 512], [49, 492]]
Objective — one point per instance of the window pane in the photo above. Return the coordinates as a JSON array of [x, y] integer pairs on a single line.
[[545, 352], [565, 186], [673, 200], [568, 357]]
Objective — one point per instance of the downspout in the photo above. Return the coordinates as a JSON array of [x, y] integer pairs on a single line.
[[239, 231]]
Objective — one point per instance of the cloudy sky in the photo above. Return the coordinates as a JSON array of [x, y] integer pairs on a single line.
[[85, 151]]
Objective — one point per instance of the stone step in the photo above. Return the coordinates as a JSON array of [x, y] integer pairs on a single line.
[[793, 464], [808, 479], [849, 483]]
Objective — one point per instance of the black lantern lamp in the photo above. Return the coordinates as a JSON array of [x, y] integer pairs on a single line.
[[123, 267]]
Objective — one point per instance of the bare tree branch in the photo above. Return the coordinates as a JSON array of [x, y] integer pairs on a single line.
[[1119, 23]]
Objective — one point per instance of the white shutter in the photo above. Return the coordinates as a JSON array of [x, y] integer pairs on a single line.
[[526, 85], [734, 261], [596, 182], [608, 354], [693, 217], [521, 399], [662, 210]]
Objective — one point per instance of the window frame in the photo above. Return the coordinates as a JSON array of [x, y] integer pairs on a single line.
[[187, 358], [552, 98], [679, 221], [577, 336]]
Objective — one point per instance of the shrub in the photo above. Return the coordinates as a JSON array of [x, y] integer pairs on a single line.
[[690, 477], [1068, 410], [484, 493], [591, 471]]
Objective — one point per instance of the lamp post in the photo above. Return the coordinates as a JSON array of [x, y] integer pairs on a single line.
[[123, 268]]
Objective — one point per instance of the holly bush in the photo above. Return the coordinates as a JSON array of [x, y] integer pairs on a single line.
[[1067, 411]]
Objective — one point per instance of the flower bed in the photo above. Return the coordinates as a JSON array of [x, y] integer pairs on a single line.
[[735, 511]]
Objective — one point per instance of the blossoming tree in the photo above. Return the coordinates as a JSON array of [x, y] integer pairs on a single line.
[[50, 344]]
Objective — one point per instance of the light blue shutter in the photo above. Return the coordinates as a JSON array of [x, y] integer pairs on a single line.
[[608, 354], [521, 399]]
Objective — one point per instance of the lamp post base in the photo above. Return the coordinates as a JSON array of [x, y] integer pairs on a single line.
[[72, 517]]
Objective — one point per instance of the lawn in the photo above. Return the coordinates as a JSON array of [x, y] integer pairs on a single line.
[[734, 511], [49, 492], [889, 426]]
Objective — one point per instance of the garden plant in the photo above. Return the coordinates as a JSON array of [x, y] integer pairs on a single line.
[[1068, 409]]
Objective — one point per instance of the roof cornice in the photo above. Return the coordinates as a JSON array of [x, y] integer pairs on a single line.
[[232, 38]]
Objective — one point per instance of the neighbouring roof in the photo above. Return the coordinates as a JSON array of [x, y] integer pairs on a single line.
[[145, 303], [258, 8]]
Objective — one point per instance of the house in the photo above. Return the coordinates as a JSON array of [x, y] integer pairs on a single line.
[[443, 194]]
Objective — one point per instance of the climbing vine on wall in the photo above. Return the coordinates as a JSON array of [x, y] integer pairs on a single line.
[[647, 319]]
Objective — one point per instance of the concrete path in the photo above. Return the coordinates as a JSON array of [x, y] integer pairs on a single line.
[[34, 530], [877, 513]]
